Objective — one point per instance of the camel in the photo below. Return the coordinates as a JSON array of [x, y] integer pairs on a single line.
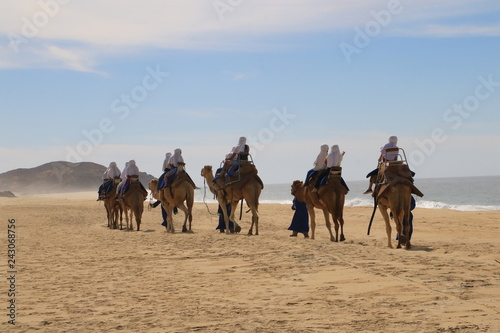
[[394, 193], [180, 191], [329, 198], [247, 185], [113, 207], [133, 200]]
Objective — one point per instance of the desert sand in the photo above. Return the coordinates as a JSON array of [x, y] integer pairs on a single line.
[[73, 274]]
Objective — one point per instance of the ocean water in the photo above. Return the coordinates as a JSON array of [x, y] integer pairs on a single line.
[[464, 193]]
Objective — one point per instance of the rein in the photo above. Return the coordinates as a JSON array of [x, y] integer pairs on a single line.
[[204, 195]]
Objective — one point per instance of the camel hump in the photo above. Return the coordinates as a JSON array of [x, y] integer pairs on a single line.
[[259, 180], [181, 177], [248, 168]]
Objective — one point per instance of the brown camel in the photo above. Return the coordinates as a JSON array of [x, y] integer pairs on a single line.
[[133, 201], [398, 199], [329, 198], [113, 207], [394, 193], [247, 185], [180, 191]]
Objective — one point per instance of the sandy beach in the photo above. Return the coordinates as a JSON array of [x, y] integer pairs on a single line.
[[73, 274]]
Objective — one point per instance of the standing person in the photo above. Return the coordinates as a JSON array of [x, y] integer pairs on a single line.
[[333, 160], [222, 224], [319, 163], [384, 157], [300, 220]]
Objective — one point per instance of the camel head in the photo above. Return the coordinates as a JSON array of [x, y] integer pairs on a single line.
[[297, 185], [153, 185], [207, 171]]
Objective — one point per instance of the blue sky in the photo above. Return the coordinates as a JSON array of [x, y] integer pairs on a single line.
[[106, 81]]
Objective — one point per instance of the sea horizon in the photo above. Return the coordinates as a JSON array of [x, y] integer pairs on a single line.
[[476, 193]]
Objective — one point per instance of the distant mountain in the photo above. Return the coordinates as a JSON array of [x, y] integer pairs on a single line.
[[58, 177]]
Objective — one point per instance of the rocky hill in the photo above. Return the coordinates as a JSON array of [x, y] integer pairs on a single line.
[[57, 177]]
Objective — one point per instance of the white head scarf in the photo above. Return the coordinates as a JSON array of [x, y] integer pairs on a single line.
[[124, 173], [166, 160], [132, 169], [319, 163], [113, 171], [335, 157], [393, 155], [241, 145], [176, 158]]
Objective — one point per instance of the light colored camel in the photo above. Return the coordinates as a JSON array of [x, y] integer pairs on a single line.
[[397, 198], [330, 199], [132, 204], [394, 193], [175, 195], [248, 187], [113, 208]]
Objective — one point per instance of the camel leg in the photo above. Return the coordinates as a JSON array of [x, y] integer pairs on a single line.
[[138, 216], [312, 217], [340, 216], [329, 226], [383, 211], [341, 222], [222, 205], [407, 228], [184, 209], [398, 218], [190, 214], [126, 220], [121, 218], [131, 227], [234, 206], [255, 221], [170, 220]]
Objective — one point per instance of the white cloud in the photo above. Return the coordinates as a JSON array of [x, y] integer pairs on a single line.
[[108, 28]]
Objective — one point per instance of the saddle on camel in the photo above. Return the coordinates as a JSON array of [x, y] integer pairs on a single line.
[[132, 201], [326, 191], [234, 181], [179, 192], [113, 208], [393, 189]]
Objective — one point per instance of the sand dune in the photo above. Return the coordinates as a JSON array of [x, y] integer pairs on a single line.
[[75, 275]]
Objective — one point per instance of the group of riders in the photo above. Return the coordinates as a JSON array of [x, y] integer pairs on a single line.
[[171, 164], [328, 159], [325, 162]]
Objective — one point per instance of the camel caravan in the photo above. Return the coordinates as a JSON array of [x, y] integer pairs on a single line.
[[123, 194], [236, 180]]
